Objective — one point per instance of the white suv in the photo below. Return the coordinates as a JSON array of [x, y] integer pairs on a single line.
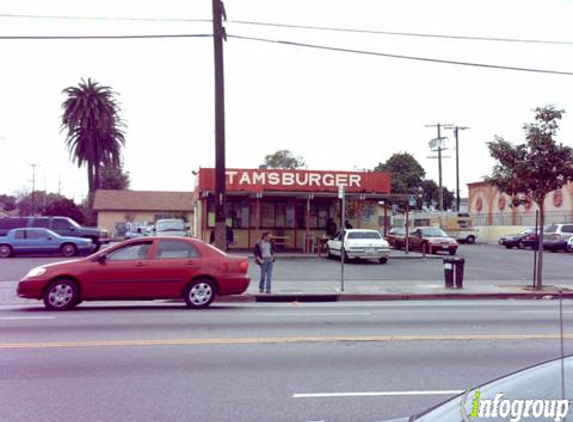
[[570, 244], [556, 236]]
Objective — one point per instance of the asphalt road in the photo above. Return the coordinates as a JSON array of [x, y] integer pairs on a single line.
[[262, 362]]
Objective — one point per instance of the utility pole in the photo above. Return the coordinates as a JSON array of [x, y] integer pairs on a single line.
[[218, 36], [33, 210], [456, 130], [437, 145]]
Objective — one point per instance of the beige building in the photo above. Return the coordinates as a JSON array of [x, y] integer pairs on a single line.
[[118, 209]]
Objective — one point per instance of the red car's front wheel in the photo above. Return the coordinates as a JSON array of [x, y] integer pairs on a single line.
[[61, 295]]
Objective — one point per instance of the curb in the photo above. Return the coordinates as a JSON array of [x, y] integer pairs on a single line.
[[357, 297]]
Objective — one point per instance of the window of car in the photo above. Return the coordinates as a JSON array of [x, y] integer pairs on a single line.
[[131, 252], [9, 223], [567, 228], [173, 249], [551, 229], [434, 232], [364, 235], [36, 234], [61, 224], [41, 222], [19, 234]]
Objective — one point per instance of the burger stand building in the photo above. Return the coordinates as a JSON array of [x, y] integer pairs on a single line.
[[293, 205]]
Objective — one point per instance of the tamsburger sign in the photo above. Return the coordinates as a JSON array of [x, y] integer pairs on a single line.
[[298, 180]]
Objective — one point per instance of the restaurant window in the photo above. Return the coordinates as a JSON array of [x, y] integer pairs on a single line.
[[280, 215], [268, 214], [237, 215]]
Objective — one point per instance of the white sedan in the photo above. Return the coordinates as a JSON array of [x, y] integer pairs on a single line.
[[359, 243]]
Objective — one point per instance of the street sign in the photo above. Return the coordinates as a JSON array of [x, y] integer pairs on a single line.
[[340, 191]]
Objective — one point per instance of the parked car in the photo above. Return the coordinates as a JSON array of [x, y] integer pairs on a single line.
[[140, 269], [396, 237], [170, 227], [570, 244], [64, 226], [506, 398], [358, 244], [555, 236], [526, 239], [431, 240], [41, 241], [138, 232]]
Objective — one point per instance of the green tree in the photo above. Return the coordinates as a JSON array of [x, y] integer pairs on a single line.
[[64, 207], [93, 124], [407, 175], [7, 202], [41, 201], [284, 159], [535, 168], [114, 178], [431, 196]]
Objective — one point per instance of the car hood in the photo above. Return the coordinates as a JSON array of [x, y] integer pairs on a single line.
[[78, 240], [60, 263]]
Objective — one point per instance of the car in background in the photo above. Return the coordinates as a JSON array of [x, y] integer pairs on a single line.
[[431, 240], [555, 236], [138, 232], [42, 241], [569, 247], [64, 226], [396, 237], [358, 244], [170, 227], [526, 239], [545, 381], [145, 268]]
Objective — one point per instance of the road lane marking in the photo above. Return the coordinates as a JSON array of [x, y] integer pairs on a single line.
[[313, 314], [376, 393], [276, 340], [14, 318]]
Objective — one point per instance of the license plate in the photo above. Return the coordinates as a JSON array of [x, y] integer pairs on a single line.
[[444, 246], [369, 251]]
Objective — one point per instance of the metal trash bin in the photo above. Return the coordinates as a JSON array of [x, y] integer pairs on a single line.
[[454, 272]]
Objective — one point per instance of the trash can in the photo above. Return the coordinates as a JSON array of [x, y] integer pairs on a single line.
[[449, 272], [459, 273], [454, 272]]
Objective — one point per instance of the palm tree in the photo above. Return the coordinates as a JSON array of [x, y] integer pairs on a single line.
[[93, 124]]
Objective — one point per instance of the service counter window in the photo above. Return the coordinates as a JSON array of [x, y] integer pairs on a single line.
[[268, 214]]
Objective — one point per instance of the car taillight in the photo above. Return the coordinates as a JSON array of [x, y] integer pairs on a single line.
[[244, 266]]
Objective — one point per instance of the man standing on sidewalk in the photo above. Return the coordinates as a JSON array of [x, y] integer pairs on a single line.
[[265, 257]]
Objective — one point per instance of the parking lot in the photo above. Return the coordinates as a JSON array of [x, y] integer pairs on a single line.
[[484, 263]]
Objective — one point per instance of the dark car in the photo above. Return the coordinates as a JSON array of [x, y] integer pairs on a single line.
[[526, 239], [42, 241], [396, 237], [538, 387], [140, 269], [432, 240]]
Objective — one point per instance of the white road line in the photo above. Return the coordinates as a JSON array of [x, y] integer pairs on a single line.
[[377, 393], [311, 314], [14, 318]]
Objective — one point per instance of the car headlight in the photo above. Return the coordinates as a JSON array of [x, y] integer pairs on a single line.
[[35, 272]]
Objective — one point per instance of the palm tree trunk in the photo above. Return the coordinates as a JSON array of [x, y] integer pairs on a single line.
[[539, 275]]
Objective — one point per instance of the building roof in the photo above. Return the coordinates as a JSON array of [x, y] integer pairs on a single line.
[[131, 200]]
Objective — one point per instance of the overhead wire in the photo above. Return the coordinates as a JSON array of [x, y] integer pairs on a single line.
[[399, 56], [100, 37], [295, 26]]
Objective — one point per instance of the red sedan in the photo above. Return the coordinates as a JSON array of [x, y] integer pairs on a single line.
[[140, 269]]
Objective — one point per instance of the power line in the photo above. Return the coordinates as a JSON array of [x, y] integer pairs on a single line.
[[294, 26], [102, 18], [100, 37], [404, 34], [397, 56]]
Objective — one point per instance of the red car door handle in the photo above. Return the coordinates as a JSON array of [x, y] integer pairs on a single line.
[[140, 264]]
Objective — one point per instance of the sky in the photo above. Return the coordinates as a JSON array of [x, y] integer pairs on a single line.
[[338, 110]]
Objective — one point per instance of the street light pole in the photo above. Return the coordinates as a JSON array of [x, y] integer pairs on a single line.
[[456, 134]]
